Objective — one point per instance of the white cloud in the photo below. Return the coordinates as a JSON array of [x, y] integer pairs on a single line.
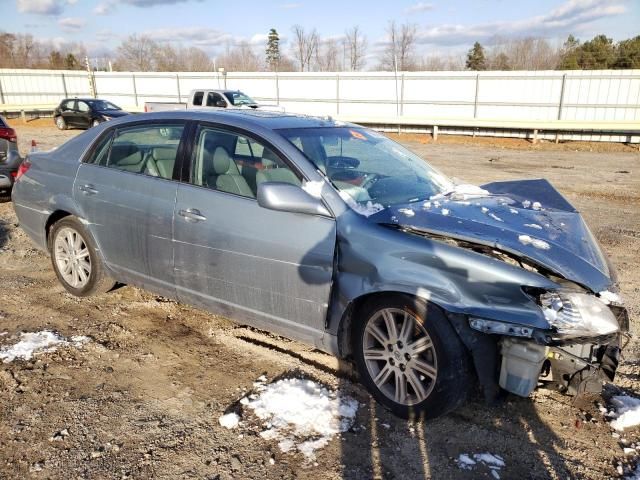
[[71, 24], [419, 8], [289, 6], [152, 3], [40, 7], [196, 36], [72, 2], [104, 8], [569, 17]]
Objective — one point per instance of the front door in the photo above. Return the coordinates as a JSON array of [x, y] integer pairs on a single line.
[[263, 267], [127, 193]]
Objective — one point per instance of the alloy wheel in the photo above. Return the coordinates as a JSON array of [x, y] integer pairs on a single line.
[[72, 257], [400, 356]]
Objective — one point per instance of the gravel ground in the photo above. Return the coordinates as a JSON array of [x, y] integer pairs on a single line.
[[142, 398]]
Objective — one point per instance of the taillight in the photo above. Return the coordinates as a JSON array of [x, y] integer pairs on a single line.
[[23, 168], [8, 134]]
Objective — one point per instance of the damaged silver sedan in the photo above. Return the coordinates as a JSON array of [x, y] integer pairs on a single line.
[[334, 235]]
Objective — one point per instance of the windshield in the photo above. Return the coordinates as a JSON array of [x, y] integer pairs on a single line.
[[239, 98], [367, 165], [102, 105]]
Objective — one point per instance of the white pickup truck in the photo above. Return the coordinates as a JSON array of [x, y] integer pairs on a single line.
[[206, 98]]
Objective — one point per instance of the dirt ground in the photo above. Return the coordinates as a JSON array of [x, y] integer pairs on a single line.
[[142, 399]]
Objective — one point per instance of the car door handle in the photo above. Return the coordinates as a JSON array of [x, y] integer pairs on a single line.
[[192, 215], [88, 189]]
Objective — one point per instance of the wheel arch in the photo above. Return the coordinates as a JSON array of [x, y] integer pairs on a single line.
[[51, 220]]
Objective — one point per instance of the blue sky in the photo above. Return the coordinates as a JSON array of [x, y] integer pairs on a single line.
[[443, 27]]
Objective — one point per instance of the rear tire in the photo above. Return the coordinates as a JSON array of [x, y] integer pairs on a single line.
[[410, 358], [60, 123], [75, 260]]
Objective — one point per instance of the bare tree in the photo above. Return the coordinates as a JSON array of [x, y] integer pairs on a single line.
[[240, 58], [523, 54], [196, 60], [399, 52], [137, 53], [305, 46], [328, 56], [356, 48]]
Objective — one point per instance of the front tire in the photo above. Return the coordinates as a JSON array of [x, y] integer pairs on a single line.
[[60, 123], [75, 259], [410, 358]]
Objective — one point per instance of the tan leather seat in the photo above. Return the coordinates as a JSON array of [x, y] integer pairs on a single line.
[[226, 176], [274, 171]]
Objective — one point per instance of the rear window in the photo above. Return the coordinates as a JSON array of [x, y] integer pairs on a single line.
[[3, 123], [197, 98]]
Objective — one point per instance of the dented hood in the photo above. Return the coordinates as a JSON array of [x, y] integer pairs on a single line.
[[528, 218]]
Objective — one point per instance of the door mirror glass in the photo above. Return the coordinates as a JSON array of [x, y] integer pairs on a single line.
[[287, 197]]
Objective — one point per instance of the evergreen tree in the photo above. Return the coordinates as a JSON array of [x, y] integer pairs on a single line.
[[273, 49], [628, 53], [71, 62], [475, 58]]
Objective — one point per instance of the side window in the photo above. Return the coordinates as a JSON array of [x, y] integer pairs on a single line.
[[197, 98], [213, 98], [66, 106], [100, 153], [231, 163], [83, 107], [146, 149]]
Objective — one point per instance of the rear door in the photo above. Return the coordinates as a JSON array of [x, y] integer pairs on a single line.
[[263, 267], [127, 194], [69, 113], [83, 114]]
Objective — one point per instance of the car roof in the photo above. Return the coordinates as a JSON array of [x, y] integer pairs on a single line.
[[245, 118]]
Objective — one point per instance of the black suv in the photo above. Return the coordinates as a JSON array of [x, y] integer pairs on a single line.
[[85, 112], [9, 158]]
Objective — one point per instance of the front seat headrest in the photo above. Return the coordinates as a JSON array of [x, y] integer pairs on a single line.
[[269, 159], [221, 161]]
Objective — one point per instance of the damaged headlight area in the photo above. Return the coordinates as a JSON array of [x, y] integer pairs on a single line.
[[577, 315]]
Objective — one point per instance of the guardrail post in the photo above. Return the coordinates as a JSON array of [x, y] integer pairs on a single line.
[[1, 92], [561, 104], [337, 94], [402, 94], [435, 133], [135, 89], [64, 85], [277, 90], [475, 101], [178, 85]]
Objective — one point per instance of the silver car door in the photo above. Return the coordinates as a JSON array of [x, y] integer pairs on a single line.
[[126, 193], [268, 268]]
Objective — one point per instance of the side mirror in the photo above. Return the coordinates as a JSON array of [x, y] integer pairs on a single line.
[[286, 197], [221, 104]]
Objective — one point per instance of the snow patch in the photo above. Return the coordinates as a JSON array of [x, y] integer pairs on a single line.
[[466, 461], [407, 211], [514, 211], [445, 212], [533, 225], [535, 242], [536, 206], [462, 192], [626, 412], [366, 210], [610, 297], [426, 205], [484, 209], [313, 188], [301, 414], [495, 217], [33, 343], [526, 204], [229, 420]]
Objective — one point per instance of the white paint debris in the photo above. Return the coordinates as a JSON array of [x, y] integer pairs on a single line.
[[536, 206], [526, 204], [229, 420], [610, 297], [514, 211], [626, 412], [495, 217], [407, 211], [313, 188], [471, 462], [33, 343], [366, 210], [533, 225], [445, 211], [535, 242], [301, 414]]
